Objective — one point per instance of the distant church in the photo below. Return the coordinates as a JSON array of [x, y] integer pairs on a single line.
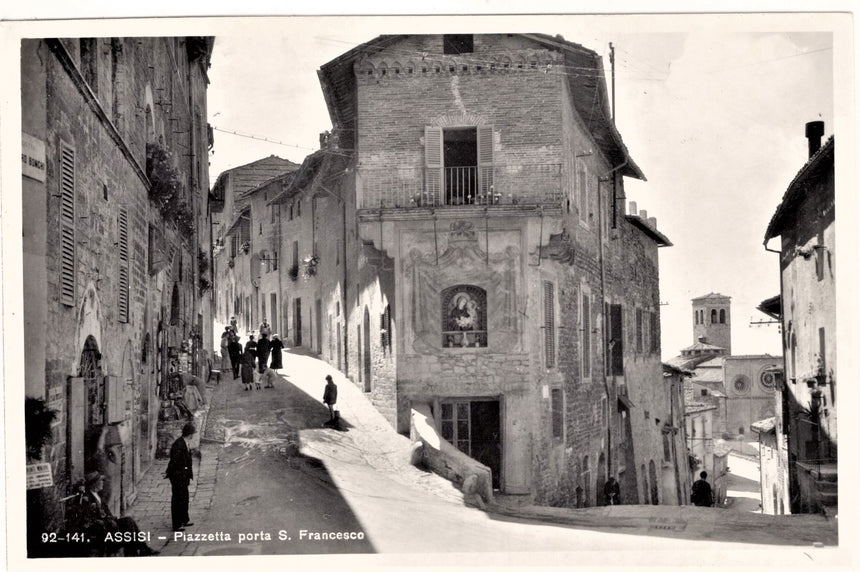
[[742, 387]]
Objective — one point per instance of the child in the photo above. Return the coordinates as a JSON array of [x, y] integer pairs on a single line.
[[330, 398]]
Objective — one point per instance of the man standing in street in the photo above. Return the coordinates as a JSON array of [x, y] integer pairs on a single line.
[[702, 494], [180, 473], [330, 398]]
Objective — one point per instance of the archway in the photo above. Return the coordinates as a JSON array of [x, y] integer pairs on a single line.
[[601, 479], [655, 486]]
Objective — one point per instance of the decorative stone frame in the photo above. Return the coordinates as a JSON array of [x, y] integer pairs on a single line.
[[461, 336]]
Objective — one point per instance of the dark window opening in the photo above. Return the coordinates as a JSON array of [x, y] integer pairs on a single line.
[[460, 156], [557, 414], [458, 44]]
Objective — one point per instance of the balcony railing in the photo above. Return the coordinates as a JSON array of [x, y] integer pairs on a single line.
[[527, 184]]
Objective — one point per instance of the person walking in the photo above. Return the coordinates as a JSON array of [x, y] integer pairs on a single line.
[[265, 328], [226, 365], [702, 494], [612, 492], [277, 358], [264, 347], [97, 521], [235, 350], [180, 473], [248, 366], [330, 398]]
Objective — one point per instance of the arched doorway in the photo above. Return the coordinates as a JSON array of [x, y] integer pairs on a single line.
[[366, 352], [95, 404], [601, 479], [147, 369], [652, 476], [645, 498]]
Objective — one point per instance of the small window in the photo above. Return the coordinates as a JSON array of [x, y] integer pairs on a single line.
[[713, 316], [741, 430], [722, 316], [639, 330], [704, 393], [585, 322], [549, 323], [455, 44]]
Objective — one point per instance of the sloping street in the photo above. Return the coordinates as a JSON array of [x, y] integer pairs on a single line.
[[279, 478]]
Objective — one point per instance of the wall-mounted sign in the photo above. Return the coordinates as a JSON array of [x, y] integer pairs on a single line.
[[33, 157], [39, 476]]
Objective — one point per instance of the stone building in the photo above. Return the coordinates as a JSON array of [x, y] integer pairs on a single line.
[[773, 500], [805, 425], [491, 276], [115, 145], [237, 260]]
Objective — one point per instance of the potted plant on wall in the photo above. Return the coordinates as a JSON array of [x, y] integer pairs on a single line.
[[310, 266]]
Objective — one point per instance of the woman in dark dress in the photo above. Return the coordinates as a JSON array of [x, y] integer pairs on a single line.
[[248, 365], [277, 346], [235, 350]]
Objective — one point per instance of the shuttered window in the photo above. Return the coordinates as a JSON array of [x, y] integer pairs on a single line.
[[583, 193], [68, 242], [655, 333], [433, 154], [639, 330], [549, 323], [615, 340], [385, 328], [122, 281], [485, 160], [586, 334]]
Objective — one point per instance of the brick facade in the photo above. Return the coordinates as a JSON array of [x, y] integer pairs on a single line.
[[538, 235], [94, 104]]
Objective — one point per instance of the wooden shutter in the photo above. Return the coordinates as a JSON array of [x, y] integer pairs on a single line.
[[68, 241], [583, 193], [586, 334], [557, 406], [549, 323], [655, 333], [485, 160], [616, 321], [122, 248], [433, 155], [639, 330]]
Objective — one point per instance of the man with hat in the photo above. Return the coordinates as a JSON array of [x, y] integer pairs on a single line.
[[98, 522], [180, 473]]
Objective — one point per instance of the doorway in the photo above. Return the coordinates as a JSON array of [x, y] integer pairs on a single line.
[[366, 351], [297, 323], [474, 427]]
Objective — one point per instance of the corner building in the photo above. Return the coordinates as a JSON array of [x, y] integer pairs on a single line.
[[516, 299]]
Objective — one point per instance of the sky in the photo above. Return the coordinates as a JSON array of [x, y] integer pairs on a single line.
[[712, 110]]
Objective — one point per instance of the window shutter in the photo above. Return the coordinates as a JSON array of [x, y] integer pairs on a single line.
[[122, 246], [549, 323], [68, 242], [586, 334], [655, 332], [639, 330], [616, 323], [583, 194], [485, 160], [433, 164]]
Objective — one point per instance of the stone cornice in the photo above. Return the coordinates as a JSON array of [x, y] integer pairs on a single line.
[[425, 65]]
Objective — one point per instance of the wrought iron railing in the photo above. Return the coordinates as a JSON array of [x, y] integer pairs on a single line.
[[526, 184]]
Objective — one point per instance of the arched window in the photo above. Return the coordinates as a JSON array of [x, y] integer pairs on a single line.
[[722, 316], [696, 316], [713, 316], [464, 317]]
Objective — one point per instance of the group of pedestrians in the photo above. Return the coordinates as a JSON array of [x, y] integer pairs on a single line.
[[252, 363]]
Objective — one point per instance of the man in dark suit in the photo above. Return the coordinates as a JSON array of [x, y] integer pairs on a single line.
[[180, 473]]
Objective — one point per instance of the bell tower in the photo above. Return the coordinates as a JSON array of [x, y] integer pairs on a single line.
[[712, 320]]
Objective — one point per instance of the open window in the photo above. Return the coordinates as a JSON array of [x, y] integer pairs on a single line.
[[459, 165], [455, 44]]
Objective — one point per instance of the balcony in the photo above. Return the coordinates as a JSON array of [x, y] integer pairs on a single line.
[[461, 187]]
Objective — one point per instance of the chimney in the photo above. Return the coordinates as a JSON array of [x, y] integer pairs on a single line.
[[814, 132]]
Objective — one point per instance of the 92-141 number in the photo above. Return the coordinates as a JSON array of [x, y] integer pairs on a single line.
[[51, 537]]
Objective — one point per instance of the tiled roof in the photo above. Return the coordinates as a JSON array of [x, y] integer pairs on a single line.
[[712, 296], [764, 426], [796, 189]]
